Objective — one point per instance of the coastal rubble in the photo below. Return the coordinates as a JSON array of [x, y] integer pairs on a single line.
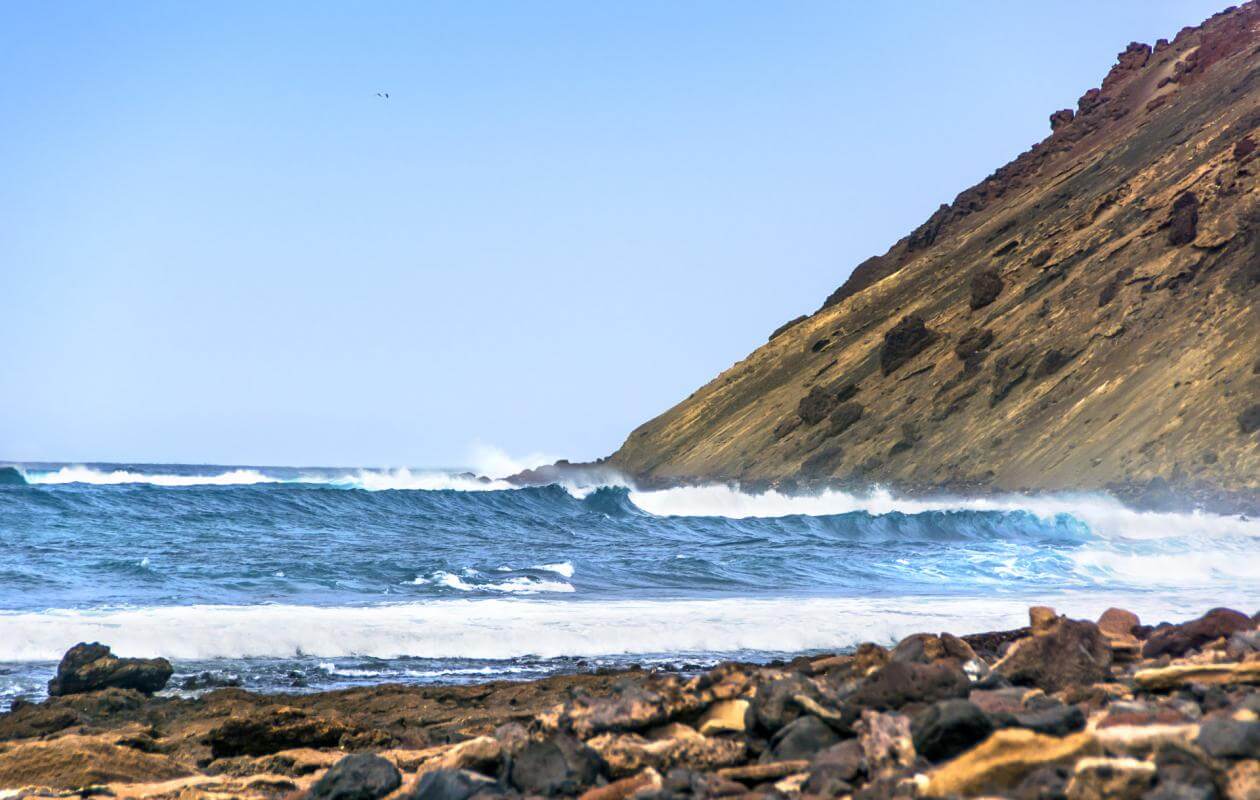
[[1044, 711]]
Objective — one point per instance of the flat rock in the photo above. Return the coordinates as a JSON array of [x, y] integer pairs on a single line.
[[1003, 760], [70, 762], [1178, 675], [1097, 778], [1230, 738]]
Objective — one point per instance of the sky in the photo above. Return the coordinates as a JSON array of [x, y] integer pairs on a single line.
[[219, 244]]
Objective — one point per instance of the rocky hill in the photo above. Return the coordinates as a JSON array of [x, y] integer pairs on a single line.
[[1083, 318]]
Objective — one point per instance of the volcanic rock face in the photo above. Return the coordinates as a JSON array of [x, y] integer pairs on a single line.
[[1100, 291]]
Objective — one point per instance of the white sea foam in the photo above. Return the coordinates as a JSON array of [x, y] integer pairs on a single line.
[[521, 584], [509, 628], [564, 568], [235, 477]]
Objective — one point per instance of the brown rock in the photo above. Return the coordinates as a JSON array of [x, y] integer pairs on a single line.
[[1166, 678], [1183, 223], [1042, 618], [271, 730], [724, 716], [1118, 622], [1060, 118], [886, 741], [91, 667], [1071, 652], [903, 342], [646, 781], [986, 285], [1242, 781], [629, 753], [71, 762], [1098, 778], [902, 682], [1177, 640], [760, 773], [1003, 760]]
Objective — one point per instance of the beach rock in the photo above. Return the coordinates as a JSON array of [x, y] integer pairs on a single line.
[[1044, 783], [676, 745], [902, 682], [1004, 760], [1179, 675], [559, 764], [270, 730], [1100, 778], [724, 716], [1177, 640], [1242, 781], [886, 741], [450, 784], [802, 738], [1230, 738], [775, 703], [631, 706], [647, 781], [72, 762], [1054, 721], [761, 773], [1183, 222], [903, 342], [926, 648], [90, 667], [986, 285], [1058, 655], [1118, 622], [845, 759], [948, 728], [362, 776]]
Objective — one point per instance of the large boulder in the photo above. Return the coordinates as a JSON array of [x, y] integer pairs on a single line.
[[1069, 652], [1177, 640], [802, 738], [902, 682], [91, 667], [450, 784], [949, 728], [986, 285], [559, 764], [1183, 222], [903, 342], [362, 776]]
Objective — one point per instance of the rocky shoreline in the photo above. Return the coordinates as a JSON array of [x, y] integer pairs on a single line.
[[1062, 708]]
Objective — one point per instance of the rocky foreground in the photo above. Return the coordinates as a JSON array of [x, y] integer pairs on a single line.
[[1062, 708]]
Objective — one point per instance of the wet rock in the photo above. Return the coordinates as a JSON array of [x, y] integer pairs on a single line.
[[843, 417], [1098, 778], [1230, 738], [209, 680], [802, 738], [949, 728], [271, 730], [1177, 640], [450, 784], [90, 667], [903, 342], [362, 776], [1004, 760], [901, 682], [1183, 223], [1070, 652], [559, 764], [822, 463], [986, 285]]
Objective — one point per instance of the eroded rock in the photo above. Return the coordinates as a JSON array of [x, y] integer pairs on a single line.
[[91, 667]]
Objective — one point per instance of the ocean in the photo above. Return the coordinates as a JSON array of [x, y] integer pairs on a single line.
[[292, 579]]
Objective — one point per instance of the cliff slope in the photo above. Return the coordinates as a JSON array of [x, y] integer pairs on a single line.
[[1085, 317]]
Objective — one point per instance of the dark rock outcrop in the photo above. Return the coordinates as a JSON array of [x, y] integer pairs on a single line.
[[91, 667], [949, 728], [1068, 652], [556, 765], [1177, 640], [1183, 223], [986, 285], [903, 342], [450, 784], [362, 776]]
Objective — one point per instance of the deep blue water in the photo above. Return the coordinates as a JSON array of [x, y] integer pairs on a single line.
[[327, 577]]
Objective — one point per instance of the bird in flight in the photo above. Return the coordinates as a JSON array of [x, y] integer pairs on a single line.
[[383, 95]]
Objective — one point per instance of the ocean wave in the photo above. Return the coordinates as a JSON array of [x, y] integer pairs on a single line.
[[473, 581], [504, 628], [117, 477]]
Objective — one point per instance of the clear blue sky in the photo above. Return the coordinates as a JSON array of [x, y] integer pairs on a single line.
[[218, 245]]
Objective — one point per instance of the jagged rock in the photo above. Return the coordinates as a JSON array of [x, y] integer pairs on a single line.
[[1183, 223], [785, 327], [973, 342], [886, 742], [1098, 778], [1177, 640], [631, 706], [1070, 652], [559, 764], [986, 285], [843, 417], [926, 648], [901, 682], [1060, 118], [362, 776], [948, 728], [90, 667], [802, 738], [1004, 760], [449, 784], [821, 400], [1053, 361], [1230, 738], [903, 342], [271, 730], [675, 745]]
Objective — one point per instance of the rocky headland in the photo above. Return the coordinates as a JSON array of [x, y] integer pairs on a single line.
[[1084, 318], [1062, 708]]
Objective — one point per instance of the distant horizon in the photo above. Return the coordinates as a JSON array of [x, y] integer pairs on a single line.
[[224, 245]]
